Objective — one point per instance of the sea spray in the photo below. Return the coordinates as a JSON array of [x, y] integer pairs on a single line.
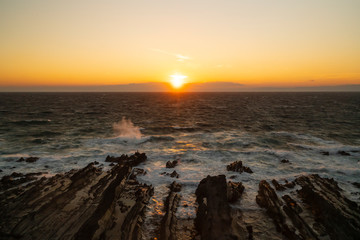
[[125, 128]]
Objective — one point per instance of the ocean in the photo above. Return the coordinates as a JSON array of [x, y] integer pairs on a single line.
[[316, 132]]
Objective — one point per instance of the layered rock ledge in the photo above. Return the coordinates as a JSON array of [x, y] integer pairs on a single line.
[[318, 210], [81, 204]]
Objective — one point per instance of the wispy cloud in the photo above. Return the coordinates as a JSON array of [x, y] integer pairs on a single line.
[[179, 57]]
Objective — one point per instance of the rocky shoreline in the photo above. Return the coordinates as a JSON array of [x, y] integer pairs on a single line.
[[91, 203]]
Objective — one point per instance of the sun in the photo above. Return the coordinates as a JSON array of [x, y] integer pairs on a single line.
[[177, 80]]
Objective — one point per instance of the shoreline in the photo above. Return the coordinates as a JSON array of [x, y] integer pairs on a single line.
[[91, 203]]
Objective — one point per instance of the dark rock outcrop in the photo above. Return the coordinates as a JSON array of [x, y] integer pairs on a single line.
[[268, 199], [174, 174], [343, 153], [285, 161], [29, 159], [234, 191], [337, 214], [213, 218], [81, 204], [238, 167], [172, 164], [15, 179], [132, 160], [329, 213], [169, 221]]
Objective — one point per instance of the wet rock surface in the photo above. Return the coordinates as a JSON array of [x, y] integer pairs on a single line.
[[337, 214], [234, 191], [169, 222], [213, 217], [174, 174], [329, 215], [172, 164], [88, 203], [132, 160], [238, 167]]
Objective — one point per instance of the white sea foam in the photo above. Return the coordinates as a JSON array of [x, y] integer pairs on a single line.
[[126, 129]]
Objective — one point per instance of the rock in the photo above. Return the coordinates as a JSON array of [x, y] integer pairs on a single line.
[[169, 222], [289, 184], [213, 219], [234, 191], [238, 167], [277, 185], [81, 204], [343, 153], [172, 164], [136, 172], [16, 179], [337, 214], [356, 184], [329, 214], [173, 174], [292, 204], [124, 159], [96, 163], [268, 199], [175, 187], [285, 161], [29, 159], [15, 175], [250, 231], [325, 153], [1, 170]]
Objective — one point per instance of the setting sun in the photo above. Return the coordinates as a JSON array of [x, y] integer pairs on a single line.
[[177, 80]]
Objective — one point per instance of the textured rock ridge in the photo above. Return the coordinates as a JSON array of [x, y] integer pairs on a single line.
[[214, 219], [169, 221], [329, 215], [81, 204]]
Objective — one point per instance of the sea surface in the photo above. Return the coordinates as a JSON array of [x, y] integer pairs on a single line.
[[204, 131]]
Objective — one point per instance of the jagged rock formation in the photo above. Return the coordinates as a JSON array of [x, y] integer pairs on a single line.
[[213, 217], [174, 174], [234, 191], [338, 215], [81, 204], [169, 221], [285, 161], [331, 214], [172, 164], [238, 167], [133, 160]]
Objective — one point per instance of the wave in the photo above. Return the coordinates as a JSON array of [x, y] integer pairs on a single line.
[[31, 122], [160, 139], [46, 134]]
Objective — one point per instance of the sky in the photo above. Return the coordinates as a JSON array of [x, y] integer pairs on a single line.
[[255, 43]]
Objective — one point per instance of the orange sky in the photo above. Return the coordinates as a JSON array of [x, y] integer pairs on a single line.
[[257, 43]]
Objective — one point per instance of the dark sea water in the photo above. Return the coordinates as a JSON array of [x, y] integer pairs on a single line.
[[205, 131]]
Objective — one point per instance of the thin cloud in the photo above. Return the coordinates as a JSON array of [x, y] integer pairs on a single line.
[[179, 57]]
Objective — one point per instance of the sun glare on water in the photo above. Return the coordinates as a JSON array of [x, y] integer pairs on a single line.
[[177, 80]]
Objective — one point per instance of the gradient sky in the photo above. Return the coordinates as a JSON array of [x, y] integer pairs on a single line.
[[255, 42]]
